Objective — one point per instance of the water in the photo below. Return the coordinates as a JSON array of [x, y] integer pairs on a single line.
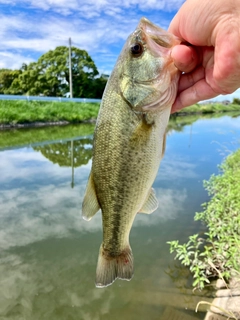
[[48, 254]]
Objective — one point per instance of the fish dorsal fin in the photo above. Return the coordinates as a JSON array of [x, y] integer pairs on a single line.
[[90, 204], [151, 204]]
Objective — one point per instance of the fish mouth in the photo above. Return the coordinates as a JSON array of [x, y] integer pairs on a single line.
[[157, 34], [149, 90]]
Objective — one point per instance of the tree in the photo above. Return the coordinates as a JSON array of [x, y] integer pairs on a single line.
[[7, 76], [61, 153], [55, 65], [94, 88], [50, 74], [236, 101]]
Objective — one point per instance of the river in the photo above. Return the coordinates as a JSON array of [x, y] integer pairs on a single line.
[[48, 253]]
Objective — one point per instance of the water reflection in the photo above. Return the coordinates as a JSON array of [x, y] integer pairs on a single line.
[[32, 214], [48, 253], [70, 153], [17, 138]]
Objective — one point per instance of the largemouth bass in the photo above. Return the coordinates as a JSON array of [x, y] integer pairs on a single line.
[[129, 142]]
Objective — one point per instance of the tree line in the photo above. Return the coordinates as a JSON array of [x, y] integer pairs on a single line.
[[49, 76]]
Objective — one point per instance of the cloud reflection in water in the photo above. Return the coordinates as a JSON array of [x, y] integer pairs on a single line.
[[46, 260]]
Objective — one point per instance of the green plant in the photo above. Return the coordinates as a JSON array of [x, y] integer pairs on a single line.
[[20, 111], [209, 108], [217, 252]]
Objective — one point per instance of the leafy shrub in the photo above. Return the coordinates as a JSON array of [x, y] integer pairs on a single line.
[[218, 252]]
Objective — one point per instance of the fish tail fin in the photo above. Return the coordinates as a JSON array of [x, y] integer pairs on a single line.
[[110, 268]]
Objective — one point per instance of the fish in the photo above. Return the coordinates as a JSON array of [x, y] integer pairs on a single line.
[[129, 143]]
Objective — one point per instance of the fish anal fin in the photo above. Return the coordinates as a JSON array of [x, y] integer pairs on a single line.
[[109, 268], [151, 203], [90, 205]]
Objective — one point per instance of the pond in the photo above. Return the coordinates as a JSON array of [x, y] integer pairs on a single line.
[[48, 253]]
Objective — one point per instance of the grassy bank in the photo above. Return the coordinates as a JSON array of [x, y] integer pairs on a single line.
[[217, 252], [20, 111], [209, 108], [16, 112]]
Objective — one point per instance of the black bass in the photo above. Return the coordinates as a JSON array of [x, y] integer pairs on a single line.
[[129, 142]]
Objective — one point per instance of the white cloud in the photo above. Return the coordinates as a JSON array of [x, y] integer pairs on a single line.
[[28, 216], [14, 160], [50, 32], [38, 289], [12, 60], [170, 206], [97, 7], [176, 167], [100, 27], [32, 280]]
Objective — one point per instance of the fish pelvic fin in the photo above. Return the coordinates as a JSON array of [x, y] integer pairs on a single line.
[[151, 203], [90, 205], [109, 267]]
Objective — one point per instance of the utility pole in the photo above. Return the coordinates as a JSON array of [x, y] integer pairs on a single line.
[[70, 69], [72, 163]]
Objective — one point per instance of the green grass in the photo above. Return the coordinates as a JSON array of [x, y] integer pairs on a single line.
[[216, 253], [209, 108], [13, 112], [19, 111]]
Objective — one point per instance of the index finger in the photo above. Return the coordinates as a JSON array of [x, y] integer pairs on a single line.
[[185, 58]]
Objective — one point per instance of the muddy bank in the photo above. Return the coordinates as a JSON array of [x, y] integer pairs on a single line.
[[41, 124]]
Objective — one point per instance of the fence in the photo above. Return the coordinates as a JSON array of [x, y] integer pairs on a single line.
[[39, 98]]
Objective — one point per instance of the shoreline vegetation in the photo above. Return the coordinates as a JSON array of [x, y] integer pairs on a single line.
[[215, 253], [18, 113]]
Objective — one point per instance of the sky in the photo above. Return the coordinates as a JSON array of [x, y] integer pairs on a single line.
[[30, 28]]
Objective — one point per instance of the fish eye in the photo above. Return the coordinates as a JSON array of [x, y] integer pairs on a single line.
[[136, 50]]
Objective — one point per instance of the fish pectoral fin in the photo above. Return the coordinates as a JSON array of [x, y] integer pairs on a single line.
[[90, 205], [151, 204]]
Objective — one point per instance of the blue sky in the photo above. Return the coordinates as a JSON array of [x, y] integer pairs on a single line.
[[29, 28]]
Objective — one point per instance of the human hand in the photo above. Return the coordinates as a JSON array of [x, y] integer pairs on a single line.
[[211, 64]]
